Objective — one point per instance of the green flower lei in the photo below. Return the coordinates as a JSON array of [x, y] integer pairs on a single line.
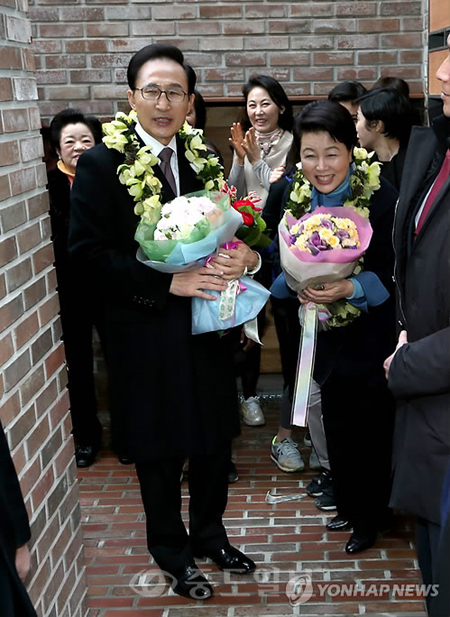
[[137, 171], [364, 181]]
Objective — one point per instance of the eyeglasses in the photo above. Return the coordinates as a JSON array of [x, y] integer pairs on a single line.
[[153, 93]]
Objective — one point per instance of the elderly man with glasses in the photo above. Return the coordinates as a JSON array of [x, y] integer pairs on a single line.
[[173, 395]]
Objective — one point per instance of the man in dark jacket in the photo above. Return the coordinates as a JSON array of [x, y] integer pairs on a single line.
[[172, 395], [419, 370], [14, 535]]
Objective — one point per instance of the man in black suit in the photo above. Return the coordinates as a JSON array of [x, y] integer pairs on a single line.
[[173, 395], [14, 535], [419, 370]]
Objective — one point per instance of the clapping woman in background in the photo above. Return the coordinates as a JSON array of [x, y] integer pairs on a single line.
[[267, 138], [260, 149]]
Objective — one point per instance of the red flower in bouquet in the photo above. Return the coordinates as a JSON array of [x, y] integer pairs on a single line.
[[248, 210], [253, 231]]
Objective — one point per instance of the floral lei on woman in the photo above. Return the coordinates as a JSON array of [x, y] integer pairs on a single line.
[[364, 181], [137, 172]]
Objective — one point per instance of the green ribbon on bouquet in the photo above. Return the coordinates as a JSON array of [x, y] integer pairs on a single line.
[[305, 366], [227, 306], [228, 300]]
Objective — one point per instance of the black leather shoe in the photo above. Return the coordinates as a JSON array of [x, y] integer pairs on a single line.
[[359, 542], [192, 584], [85, 455], [338, 524], [230, 558], [125, 460]]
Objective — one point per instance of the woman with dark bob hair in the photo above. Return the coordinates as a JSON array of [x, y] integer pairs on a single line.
[[385, 119], [267, 139], [347, 93], [357, 407], [71, 134]]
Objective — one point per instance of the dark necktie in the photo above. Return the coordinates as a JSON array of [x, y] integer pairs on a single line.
[[438, 184], [165, 156]]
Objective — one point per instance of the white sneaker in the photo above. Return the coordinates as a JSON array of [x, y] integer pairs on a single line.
[[251, 412], [286, 455]]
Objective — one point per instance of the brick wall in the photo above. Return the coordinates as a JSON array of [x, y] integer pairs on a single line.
[[33, 399], [83, 46]]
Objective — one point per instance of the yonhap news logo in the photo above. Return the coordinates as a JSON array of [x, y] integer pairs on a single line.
[[299, 588]]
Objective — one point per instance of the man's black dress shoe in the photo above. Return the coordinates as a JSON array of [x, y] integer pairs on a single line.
[[230, 558], [192, 584], [85, 455], [125, 460], [359, 542], [338, 524]]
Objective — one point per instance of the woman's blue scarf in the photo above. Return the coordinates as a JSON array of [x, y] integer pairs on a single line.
[[336, 197]]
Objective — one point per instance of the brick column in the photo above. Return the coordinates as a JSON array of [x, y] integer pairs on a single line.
[[34, 404]]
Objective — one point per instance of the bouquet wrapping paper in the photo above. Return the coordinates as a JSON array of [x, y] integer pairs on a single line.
[[217, 228]]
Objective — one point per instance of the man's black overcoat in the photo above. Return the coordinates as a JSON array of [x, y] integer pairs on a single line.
[[419, 375], [171, 393]]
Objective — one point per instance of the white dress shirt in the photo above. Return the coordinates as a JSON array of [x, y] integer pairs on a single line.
[[156, 149]]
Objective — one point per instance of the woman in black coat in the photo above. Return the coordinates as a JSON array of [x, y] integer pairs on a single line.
[[71, 134], [385, 119], [14, 534], [349, 359]]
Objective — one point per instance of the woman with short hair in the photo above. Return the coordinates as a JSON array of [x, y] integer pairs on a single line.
[[385, 119]]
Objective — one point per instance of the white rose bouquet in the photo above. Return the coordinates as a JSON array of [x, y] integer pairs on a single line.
[[185, 233]]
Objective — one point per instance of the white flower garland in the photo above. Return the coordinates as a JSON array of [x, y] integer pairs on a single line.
[[364, 181], [137, 171]]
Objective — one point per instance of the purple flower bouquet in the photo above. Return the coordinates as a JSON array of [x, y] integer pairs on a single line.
[[323, 246]]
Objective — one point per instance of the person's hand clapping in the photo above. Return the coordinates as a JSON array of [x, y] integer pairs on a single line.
[[277, 173], [236, 139], [251, 146], [194, 282]]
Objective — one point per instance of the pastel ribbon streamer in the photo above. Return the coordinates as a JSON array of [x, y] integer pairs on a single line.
[[228, 302], [251, 330], [228, 299], [309, 317]]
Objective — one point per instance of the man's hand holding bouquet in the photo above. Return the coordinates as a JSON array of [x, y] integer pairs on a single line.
[[198, 231]]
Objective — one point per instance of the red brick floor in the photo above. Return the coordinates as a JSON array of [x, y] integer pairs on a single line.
[[288, 541]]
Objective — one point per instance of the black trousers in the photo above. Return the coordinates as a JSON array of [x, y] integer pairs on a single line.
[[77, 321], [167, 538], [287, 325], [247, 363], [358, 420], [428, 543], [435, 563]]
